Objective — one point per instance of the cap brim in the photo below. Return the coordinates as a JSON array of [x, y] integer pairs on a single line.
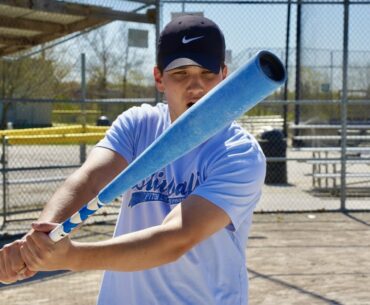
[[207, 63]]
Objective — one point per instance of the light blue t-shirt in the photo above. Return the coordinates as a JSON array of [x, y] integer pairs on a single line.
[[229, 171]]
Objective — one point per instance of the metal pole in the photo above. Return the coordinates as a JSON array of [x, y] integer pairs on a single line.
[[297, 110], [344, 102], [285, 107], [331, 74], [83, 105], [4, 162], [158, 5], [126, 68]]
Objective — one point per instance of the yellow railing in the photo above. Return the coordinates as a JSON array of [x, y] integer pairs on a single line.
[[75, 134]]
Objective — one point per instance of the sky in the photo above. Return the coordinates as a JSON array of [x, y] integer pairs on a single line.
[[251, 27]]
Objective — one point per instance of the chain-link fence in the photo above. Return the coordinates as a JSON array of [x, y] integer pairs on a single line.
[[314, 131], [97, 75], [324, 160], [84, 79]]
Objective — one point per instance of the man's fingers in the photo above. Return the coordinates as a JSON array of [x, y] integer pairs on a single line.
[[10, 262], [4, 278], [26, 274], [34, 244], [41, 241], [45, 227], [22, 274], [29, 254], [22, 270], [12, 265], [40, 235], [7, 283], [14, 259]]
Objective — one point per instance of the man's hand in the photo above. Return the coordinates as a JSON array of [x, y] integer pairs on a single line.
[[40, 253], [12, 266]]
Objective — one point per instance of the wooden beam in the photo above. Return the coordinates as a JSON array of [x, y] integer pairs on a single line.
[[94, 16], [148, 2], [9, 50], [53, 6], [27, 24], [49, 27], [16, 41], [75, 27], [16, 44]]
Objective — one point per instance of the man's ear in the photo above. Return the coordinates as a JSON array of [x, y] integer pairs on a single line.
[[158, 79], [224, 72]]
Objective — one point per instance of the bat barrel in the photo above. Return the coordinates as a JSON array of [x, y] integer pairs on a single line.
[[238, 93]]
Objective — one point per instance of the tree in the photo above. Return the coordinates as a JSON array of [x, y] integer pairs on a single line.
[[26, 78], [102, 61], [112, 62]]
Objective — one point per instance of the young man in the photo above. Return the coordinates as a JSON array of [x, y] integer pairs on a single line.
[[181, 233]]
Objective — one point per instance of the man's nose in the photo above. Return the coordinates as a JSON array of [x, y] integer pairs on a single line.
[[195, 85]]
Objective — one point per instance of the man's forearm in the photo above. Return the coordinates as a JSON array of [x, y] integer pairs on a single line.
[[140, 250], [189, 223], [69, 198], [101, 166]]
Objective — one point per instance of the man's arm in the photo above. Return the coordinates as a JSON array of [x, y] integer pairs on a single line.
[[101, 166], [186, 225]]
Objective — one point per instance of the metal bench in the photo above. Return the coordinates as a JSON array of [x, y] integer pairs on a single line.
[[327, 169], [325, 160], [325, 134], [257, 124], [35, 180]]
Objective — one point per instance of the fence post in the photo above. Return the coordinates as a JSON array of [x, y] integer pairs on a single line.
[[343, 186], [158, 19], [285, 97], [297, 97], [83, 106], [4, 162]]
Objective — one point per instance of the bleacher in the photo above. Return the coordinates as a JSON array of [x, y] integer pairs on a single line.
[[258, 124], [324, 141]]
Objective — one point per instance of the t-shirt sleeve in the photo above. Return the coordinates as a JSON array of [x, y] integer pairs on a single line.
[[120, 137], [234, 180]]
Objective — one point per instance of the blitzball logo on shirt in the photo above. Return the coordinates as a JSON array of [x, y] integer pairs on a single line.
[[157, 188]]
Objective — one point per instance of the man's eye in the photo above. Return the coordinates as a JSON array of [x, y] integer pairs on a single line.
[[179, 74], [208, 74]]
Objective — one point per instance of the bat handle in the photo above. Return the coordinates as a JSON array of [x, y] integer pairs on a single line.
[[65, 228]]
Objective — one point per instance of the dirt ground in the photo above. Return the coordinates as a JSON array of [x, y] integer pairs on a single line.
[[321, 258], [301, 258]]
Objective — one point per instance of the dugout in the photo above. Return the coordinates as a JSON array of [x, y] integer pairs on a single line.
[[26, 24], [29, 115]]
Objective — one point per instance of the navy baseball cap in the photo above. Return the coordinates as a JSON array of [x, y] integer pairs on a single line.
[[191, 40]]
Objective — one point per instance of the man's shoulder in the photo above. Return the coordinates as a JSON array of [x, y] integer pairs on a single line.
[[234, 135], [233, 140], [149, 110], [145, 113]]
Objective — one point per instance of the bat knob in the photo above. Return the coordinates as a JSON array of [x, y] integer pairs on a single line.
[[57, 234]]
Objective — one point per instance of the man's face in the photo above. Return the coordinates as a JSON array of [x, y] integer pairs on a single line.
[[184, 86]]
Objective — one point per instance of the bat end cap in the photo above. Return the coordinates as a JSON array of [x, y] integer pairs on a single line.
[[271, 66]]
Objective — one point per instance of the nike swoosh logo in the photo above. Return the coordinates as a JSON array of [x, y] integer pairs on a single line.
[[185, 40]]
